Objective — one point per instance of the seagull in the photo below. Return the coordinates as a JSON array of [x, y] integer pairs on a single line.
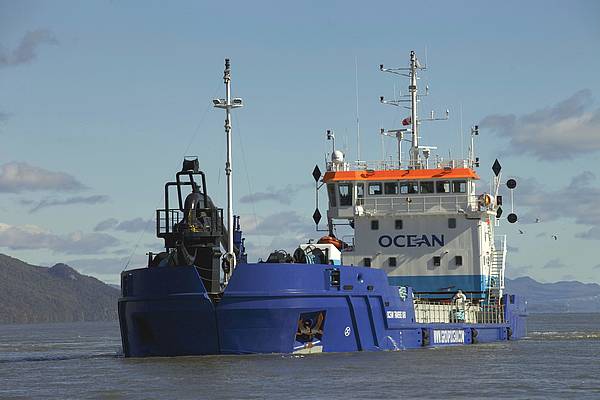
[[554, 237], [521, 232]]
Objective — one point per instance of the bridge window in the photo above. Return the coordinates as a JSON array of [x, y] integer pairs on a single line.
[[390, 187], [437, 261], [375, 189], [392, 261], [398, 224], [459, 186], [458, 261], [374, 224], [426, 187], [452, 223], [345, 190], [360, 190], [409, 187], [331, 193], [442, 186]]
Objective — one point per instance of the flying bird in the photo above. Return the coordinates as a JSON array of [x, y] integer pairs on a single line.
[[521, 232], [537, 220], [554, 237]]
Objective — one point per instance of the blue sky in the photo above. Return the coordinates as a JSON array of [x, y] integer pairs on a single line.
[[99, 102]]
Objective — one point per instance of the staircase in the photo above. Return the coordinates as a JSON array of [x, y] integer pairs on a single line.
[[496, 281]]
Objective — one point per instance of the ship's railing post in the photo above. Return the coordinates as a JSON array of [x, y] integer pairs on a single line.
[[486, 318], [486, 312]]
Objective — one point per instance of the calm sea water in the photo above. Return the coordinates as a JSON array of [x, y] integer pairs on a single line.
[[559, 359]]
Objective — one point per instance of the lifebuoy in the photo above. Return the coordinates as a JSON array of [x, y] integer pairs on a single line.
[[485, 199]]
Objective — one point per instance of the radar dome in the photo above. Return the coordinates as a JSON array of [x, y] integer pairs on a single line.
[[337, 157]]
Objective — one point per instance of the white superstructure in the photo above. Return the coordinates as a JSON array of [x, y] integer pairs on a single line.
[[423, 222]]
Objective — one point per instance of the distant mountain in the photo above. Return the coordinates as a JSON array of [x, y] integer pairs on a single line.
[[565, 296], [31, 294]]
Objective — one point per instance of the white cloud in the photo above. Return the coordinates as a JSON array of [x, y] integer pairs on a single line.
[[45, 203], [129, 226], [513, 271], [512, 249], [562, 131], [16, 177], [282, 230], [109, 265], [27, 47], [106, 224], [592, 234], [578, 201], [30, 237], [555, 263], [135, 225], [281, 222], [568, 277], [284, 195]]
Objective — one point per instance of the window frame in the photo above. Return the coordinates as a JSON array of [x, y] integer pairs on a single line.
[[373, 184], [387, 185], [428, 183], [360, 186], [345, 200], [438, 183], [459, 182], [410, 185]]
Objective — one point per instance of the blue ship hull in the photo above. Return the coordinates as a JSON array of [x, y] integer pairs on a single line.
[[167, 312]]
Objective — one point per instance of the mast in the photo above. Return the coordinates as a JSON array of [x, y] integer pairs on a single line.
[[357, 118], [227, 104], [412, 97], [412, 88]]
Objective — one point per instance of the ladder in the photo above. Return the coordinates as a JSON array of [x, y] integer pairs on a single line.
[[496, 278]]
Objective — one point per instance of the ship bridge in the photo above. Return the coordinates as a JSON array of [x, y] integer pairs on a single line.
[[397, 192]]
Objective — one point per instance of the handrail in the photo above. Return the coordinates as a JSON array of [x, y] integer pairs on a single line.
[[450, 202], [166, 223], [427, 311], [386, 165]]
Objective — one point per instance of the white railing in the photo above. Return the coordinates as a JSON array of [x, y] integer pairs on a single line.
[[439, 312], [417, 204], [496, 283], [379, 165]]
